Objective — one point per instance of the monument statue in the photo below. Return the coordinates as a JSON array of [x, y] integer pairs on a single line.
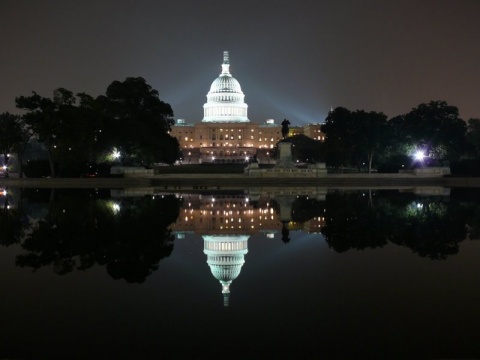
[[285, 128]]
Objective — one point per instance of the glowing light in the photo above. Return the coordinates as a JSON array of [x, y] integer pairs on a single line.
[[114, 207], [115, 153], [419, 155]]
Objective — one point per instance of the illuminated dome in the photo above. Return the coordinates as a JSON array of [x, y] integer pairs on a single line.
[[225, 84], [225, 100], [225, 257]]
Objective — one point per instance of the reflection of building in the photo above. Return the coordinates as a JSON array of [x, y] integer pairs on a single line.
[[226, 214], [225, 256], [237, 214], [226, 221], [225, 133]]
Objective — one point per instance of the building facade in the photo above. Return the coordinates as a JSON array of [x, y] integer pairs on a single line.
[[225, 134]]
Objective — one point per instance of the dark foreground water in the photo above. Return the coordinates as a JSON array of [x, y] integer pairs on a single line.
[[331, 274]]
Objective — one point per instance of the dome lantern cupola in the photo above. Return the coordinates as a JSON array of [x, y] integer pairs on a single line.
[[226, 64], [225, 100]]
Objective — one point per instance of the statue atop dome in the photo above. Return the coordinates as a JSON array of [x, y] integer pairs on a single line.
[[225, 100]]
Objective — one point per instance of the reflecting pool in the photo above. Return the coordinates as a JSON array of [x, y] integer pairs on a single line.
[[318, 273]]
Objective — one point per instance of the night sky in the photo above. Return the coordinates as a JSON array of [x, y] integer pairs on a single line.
[[293, 59]]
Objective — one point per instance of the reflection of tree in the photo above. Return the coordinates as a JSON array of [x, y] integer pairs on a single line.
[[352, 223], [305, 208], [430, 226], [129, 238], [12, 224], [470, 198]]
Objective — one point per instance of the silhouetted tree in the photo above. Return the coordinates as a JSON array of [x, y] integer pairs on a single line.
[[305, 149], [354, 138], [10, 136], [48, 118], [139, 122], [371, 136], [435, 128], [338, 142], [473, 137]]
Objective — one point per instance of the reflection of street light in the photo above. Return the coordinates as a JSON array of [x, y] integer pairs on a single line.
[[115, 153], [114, 207]]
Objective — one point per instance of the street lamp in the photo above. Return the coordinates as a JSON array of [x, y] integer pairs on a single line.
[[419, 155]]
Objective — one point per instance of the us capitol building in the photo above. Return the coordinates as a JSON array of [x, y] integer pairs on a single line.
[[225, 134]]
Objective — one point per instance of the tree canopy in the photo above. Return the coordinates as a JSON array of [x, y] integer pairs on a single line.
[[11, 136], [353, 138], [435, 128], [358, 138], [78, 130], [473, 137], [139, 122]]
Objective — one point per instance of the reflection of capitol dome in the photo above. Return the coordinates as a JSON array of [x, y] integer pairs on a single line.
[[225, 100], [225, 256]]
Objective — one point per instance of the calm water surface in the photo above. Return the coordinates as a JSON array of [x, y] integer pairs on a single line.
[[328, 274]]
